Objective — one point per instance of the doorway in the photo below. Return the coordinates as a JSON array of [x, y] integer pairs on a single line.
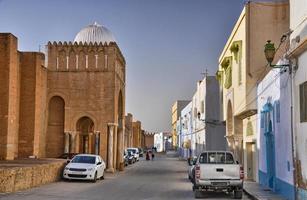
[[86, 139], [250, 160]]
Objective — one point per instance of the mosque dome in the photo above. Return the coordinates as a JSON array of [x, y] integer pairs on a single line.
[[95, 33]]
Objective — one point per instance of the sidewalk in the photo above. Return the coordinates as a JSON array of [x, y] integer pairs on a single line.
[[172, 154], [258, 192]]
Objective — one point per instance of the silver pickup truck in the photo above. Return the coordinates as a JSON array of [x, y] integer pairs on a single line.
[[218, 171]]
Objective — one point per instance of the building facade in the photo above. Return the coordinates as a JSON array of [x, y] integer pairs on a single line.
[[159, 142], [23, 101], [75, 103], [176, 109], [298, 58], [148, 140], [137, 132], [241, 65], [128, 130], [187, 138], [208, 133], [274, 128]]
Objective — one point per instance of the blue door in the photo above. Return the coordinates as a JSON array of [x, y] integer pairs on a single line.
[[270, 147]]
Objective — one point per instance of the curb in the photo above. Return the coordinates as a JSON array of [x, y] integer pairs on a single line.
[[253, 197]]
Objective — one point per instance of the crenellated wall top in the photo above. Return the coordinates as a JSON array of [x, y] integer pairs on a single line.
[[85, 46]]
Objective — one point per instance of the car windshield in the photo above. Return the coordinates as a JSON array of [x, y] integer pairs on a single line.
[[132, 150], [84, 159], [216, 158]]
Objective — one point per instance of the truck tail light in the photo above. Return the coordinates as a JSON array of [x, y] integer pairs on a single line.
[[197, 172], [241, 172]]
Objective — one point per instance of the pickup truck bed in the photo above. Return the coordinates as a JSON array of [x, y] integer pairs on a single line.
[[217, 171]]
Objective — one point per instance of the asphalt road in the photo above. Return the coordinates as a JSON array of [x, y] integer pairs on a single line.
[[164, 178]]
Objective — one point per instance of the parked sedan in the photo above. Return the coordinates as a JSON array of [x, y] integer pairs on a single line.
[[85, 167], [126, 159], [131, 158], [135, 152]]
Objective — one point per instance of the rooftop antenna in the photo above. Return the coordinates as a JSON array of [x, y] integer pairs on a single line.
[[205, 73]]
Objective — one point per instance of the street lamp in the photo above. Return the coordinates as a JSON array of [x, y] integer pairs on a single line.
[[212, 122], [269, 52]]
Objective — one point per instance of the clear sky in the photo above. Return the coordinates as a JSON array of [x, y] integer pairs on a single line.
[[167, 43]]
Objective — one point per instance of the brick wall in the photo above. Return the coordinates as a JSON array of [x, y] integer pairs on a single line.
[[9, 96], [32, 103]]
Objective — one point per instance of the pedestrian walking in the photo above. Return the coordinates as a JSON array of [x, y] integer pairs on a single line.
[[152, 155], [147, 156]]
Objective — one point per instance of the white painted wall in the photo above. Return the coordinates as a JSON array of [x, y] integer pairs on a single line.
[[206, 102], [276, 87], [158, 142], [298, 24], [198, 125], [186, 130], [300, 128]]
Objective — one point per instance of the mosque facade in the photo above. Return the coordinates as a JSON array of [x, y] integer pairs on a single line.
[[69, 100]]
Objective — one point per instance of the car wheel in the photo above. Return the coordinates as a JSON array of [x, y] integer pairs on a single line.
[[197, 194], [95, 177], [238, 193], [102, 177]]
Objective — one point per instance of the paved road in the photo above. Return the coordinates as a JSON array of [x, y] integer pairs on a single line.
[[164, 178]]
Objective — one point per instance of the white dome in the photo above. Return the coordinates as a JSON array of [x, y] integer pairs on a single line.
[[94, 33]]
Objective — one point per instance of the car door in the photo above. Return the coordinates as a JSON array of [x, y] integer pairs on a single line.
[[98, 167], [101, 166]]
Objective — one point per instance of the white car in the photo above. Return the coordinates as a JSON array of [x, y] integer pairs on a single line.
[[135, 152], [85, 167]]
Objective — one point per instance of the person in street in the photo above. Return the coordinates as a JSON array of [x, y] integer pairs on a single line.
[[147, 156], [152, 155]]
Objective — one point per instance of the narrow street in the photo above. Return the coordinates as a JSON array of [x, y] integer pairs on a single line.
[[164, 178]]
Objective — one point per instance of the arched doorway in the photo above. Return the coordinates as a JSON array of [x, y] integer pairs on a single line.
[[86, 137], [120, 134], [55, 128]]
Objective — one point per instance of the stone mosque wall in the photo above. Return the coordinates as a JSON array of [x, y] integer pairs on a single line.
[[74, 104]]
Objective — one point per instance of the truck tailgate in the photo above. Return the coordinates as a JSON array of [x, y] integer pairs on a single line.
[[219, 171]]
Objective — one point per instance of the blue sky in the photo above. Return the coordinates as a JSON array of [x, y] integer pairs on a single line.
[[167, 43]]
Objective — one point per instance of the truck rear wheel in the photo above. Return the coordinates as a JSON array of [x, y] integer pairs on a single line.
[[238, 193], [197, 194]]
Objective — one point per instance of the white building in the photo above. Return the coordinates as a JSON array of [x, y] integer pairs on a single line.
[[187, 144], [159, 141], [209, 132], [298, 56], [274, 137]]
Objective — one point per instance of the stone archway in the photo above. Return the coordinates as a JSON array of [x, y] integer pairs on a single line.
[[85, 139], [55, 127]]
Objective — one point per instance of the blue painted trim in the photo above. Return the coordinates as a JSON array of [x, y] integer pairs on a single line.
[[263, 178], [301, 194], [281, 187]]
